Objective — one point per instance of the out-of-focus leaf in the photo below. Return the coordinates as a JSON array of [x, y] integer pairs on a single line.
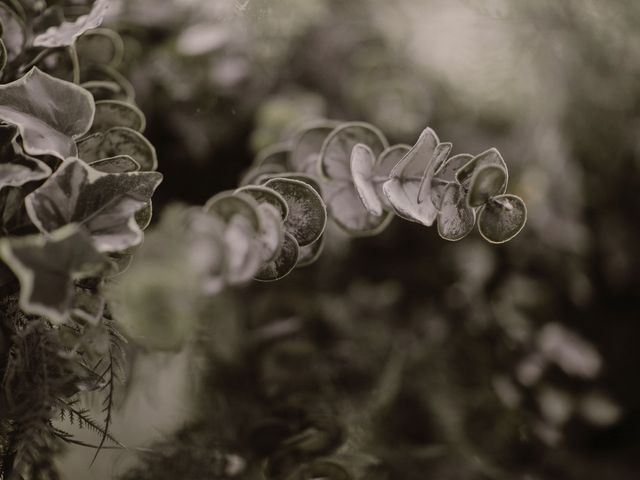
[[116, 113], [47, 267], [502, 218], [307, 146], [362, 165], [455, 218], [335, 157], [307, 213], [254, 175], [409, 188], [385, 163], [102, 46], [267, 195], [106, 73], [118, 164], [104, 90], [489, 157], [49, 113], [283, 263], [271, 235], [227, 204], [487, 181], [17, 168], [66, 33], [104, 203], [274, 155], [88, 306], [309, 254], [13, 31], [243, 256], [118, 141]]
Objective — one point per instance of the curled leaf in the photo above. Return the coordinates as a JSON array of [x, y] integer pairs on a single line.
[[487, 181], [66, 33], [47, 267], [49, 113], [455, 218], [446, 175], [307, 213], [489, 157], [335, 156], [502, 218], [283, 264], [383, 167], [362, 171], [16, 167]]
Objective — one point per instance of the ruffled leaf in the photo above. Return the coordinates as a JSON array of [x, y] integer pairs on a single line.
[[104, 203], [50, 113], [47, 267], [66, 33], [17, 168]]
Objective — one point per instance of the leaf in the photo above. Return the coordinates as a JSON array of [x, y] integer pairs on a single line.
[[383, 167], [455, 218], [66, 33], [106, 73], [242, 255], [118, 141], [305, 154], [266, 195], [502, 218], [309, 180], [256, 173], [116, 113], [487, 181], [49, 113], [226, 205], [284, 263], [409, 188], [307, 213], [104, 203], [47, 267], [271, 235], [309, 254], [13, 32], [362, 165], [335, 156], [17, 168], [347, 211], [102, 46], [118, 164], [446, 175], [3, 56], [489, 157], [274, 155], [104, 90]]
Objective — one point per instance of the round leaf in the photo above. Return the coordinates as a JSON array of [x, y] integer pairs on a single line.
[[307, 213], [455, 218], [116, 113], [266, 195], [102, 46], [226, 205], [274, 155], [119, 141], [487, 181], [271, 235], [309, 254], [335, 156], [307, 145], [502, 218], [283, 263]]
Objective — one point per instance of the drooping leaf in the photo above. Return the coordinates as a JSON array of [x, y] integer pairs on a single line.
[[335, 157], [455, 218], [283, 264], [307, 213], [226, 205], [487, 181], [102, 46], [307, 146], [104, 203], [47, 267], [118, 164], [116, 113], [66, 33], [13, 31], [17, 168], [266, 195], [383, 167], [502, 218], [489, 157], [49, 113], [409, 188], [119, 141], [362, 171], [309, 254], [271, 235]]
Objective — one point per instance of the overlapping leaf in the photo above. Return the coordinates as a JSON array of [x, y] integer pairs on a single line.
[[119, 141], [17, 168], [50, 113], [104, 203], [66, 33]]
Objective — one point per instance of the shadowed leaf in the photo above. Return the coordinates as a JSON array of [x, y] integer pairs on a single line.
[[66, 33]]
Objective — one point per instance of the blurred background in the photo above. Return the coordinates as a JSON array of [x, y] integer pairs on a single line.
[[423, 358]]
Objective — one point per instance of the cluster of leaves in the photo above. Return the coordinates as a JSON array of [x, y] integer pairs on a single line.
[[76, 181]]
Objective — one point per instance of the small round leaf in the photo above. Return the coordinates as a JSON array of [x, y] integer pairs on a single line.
[[266, 195], [502, 218]]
